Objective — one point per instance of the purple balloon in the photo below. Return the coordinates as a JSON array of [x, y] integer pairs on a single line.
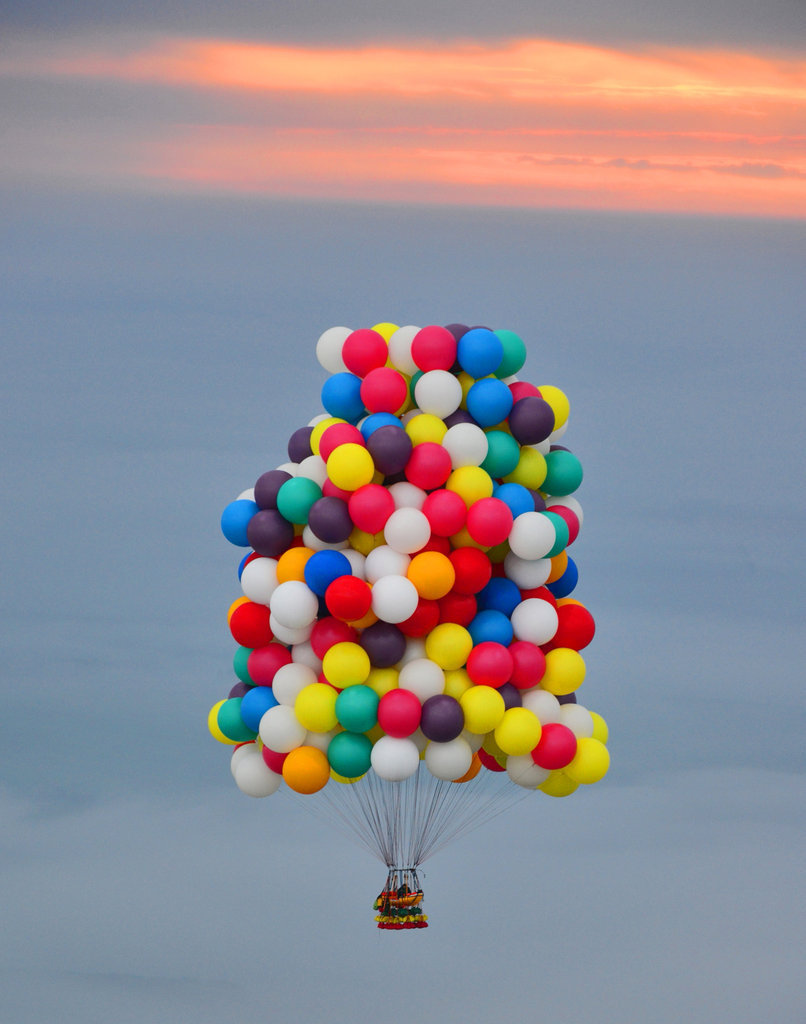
[[239, 689], [567, 698], [390, 448], [531, 420], [459, 416], [329, 518], [299, 444], [267, 487], [512, 696], [538, 499], [269, 533], [384, 643], [457, 330], [442, 718]]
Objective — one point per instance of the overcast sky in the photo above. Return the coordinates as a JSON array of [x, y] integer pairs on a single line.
[[157, 352]]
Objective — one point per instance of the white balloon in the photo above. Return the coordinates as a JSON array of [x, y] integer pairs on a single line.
[[423, 677], [407, 530], [570, 502], [474, 740], [524, 772], [527, 574], [281, 730], [294, 605], [558, 433], [420, 740], [287, 635], [578, 719], [292, 468], [438, 392], [304, 654], [254, 777], [449, 760], [357, 562], [310, 540], [415, 648], [541, 703], [385, 561], [406, 495], [290, 680], [238, 754], [259, 579], [319, 418], [532, 535], [400, 349], [535, 620], [394, 598], [247, 495], [466, 444], [329, 348], [314, 468], [394, 759], [320, 740]]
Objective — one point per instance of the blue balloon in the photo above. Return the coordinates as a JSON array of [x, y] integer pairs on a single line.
[[492, 625], [479, 352], [341, 396], [323, 567], [376, 420], [254, 705], [516, 497], [566, 583], [235, 519], [500, 594], [489, 401]]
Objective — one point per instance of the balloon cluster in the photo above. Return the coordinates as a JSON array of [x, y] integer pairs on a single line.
[[406, 592]]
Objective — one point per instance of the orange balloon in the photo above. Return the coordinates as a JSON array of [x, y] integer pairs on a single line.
[[291, 564], [306, 770], [236, 604], [558, 566], [432, 573], [472, 771]]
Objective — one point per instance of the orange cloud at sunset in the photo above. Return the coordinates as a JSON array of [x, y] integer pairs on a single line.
[[527, 123]]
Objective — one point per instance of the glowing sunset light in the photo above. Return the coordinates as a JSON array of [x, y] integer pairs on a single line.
[[530, 122]]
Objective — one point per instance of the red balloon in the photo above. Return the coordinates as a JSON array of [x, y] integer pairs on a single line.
[[263, 663], [523, 389], [571, 519], [473, 570], [489, 521], [370, 506], [399, 713], [364, 350], [338, 434], [429, 465], [445, 511], [434, 348], [330, 490], [460, 608], [329, 631], [384, 390], [556, 748], [423, 620], [440, 544], [249, 625], [576, 627], [543, 593], [273, 760], [348, 598], [529, 664], [490, 664], [489, 761]]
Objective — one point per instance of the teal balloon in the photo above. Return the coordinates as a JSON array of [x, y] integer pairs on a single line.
[[295, 498], [503, 453], [357, 708], [231, 724], [349, 753], [514, 353], [240, 664], [564, 473], [561, 529]]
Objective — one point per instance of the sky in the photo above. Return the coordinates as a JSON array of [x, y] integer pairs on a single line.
[[191, 197]]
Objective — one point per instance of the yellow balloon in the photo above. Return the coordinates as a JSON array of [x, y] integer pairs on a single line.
[[457, 682], [518, 732], [565, 671], [346, 664], [306, 770], [600, 730], [531, 469], [449, 645], [467, 383], [365, 542], [315, 707], [558, 784], [558, 401], [425, 427], [212, 725], [483, 707], [590, 763], [350, 466], [320, 428], [386, 330], [462, 539], [382, 680], [471, 483]]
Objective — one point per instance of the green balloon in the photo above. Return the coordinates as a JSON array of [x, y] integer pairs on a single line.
[[349, 753], [357, 708], [295, 497], [561, 529], [514, 353], [239, 663], [503, 453], [230, 722], [563, 473]]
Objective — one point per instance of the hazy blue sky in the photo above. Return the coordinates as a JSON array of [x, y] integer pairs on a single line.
[[157, 351]]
